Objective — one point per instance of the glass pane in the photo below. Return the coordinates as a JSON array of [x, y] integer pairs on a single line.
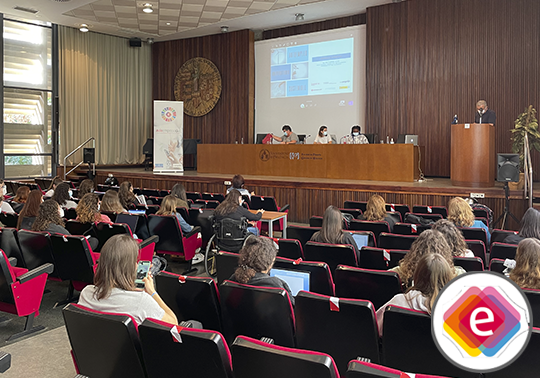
[[27, 121], [28, 166], [27, 55]]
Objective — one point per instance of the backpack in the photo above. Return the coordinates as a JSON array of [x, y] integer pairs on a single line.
[[415, 219]]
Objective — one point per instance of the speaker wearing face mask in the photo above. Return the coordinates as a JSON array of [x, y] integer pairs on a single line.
[[323, 137], [288, 136], [355, 137], [484, 114]]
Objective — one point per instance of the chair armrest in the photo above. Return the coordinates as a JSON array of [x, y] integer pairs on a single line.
[[267, 340], [150, 240], [12, 261], [284, 208], [5, 361], [45, 268]]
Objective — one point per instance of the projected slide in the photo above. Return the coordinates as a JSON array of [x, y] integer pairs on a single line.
[[321, 68]]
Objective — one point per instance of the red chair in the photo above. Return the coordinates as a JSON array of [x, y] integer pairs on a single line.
[[21, 292], [423, 209], [320, 277], [290, 249], [332, 254], [268, 203], [361, 369], [380, 258]]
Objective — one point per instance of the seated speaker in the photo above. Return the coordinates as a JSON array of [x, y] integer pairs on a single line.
[[508, 167]]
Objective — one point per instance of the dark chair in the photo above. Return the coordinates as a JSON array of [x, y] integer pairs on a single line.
[[533, 296], [70, 214], [409, 330], [200, 354], [423, 209], [395, 215], [481, 213], [9, 243], [409, 229], [433, 217], [376, 286], [478, 248], [9, 219], [401, 208], [164, 193], [194, 196], [361, 369], [332, 254], [359, 205], [36, 249], [150, 209], [394, 241], [77, 228], [472, 233], [111, 339], [156, 200], [503, 251], [300, 233], [320, 277], [220, 197], [496, 265], [191, 298], [257, 312], [315, 221], [269, 203], [105, 231], [150, 192], [21, 292], [254, 358], [226, 264], [349, 327], [380, 258], [354, 212], [470, 264], [290, 248], [203, 219], [110, 214], [500, 235], [208, 204], [377, 227]]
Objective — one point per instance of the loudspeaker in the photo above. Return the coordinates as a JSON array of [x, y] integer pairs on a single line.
[[135, 42], [148, 148], [508, 167], [89, 155]]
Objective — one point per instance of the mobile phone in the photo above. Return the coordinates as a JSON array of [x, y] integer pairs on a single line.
[[142, 271]]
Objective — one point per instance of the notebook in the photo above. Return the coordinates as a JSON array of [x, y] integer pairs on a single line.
[[296, 279]]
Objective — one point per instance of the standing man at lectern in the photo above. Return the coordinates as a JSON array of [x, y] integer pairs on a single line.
[[288, 136], [483, 114]]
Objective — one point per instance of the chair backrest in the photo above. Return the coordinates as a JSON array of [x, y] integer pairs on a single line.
[[409, 229], [9, 219], [36, 249], [380, 258], [349, 331], [261, 202], [73, 258], [359, 205], [257, 312], [9, 243], [472, 233], [193, 196], [503, 251], [372, 241], [478, 248], [377, 227], [399, 207], [395, 215], [150, 209], [424, 209], [320, 277], [432, 216], [191, 298], [203, 219], [300, 233], [361, 369], [220, 197], [533, 296], [156, 200], [290, 248], [315, 221], [105, 231], [470, 264], [409, 346], [481, 213], [103, 344], [70, 214], [394, 241], [150, 192], [6, 280], [332, 254], [496, 265], [226, 264], [376, 286], [77, 228], [254, 358], [200, 354], [499, 235], [110, 214], [354, 212], [169, 232]]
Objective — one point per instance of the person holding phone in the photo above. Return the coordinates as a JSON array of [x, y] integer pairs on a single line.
[[115, 290]]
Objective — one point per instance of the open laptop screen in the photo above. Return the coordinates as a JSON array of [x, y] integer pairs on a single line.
[[296, 279], [137, 212], [360, 239], [130, 220]]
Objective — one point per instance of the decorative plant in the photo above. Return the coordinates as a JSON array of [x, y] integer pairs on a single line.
[[525, 124]]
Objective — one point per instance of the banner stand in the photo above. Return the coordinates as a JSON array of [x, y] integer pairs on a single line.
[[168, 136]]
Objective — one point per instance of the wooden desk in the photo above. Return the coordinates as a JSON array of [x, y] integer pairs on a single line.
[[380, 162], [272, 216]]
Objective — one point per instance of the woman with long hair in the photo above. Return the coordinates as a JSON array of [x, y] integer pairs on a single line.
[[20, 198], [322, 136], [88, 210], [49, 218], [114, 285], [453, 237], [461, 214], [376, 211], [179, 192], [30, 211], [50, 191], [429, 241], [256, 258], [126, 196], [332, 230], [232, 208], [62, 195], [529, 228], [432, 273], [168, 207], [527, 271], [111, 203], [87, 186]]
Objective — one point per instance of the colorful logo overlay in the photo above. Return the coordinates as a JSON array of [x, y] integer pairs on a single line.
[[168, 114], [481, 321]]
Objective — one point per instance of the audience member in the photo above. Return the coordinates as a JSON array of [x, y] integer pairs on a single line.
[[429, 241], [111, 203], [57, 180], [453, 237], [322, 136], [20, 198], [87, 186], [5, 207], [288, 136], [179, 192], [461, 214], [256, 258], [526, 274], [49, 218], [114, 285], [232, 208], [168, 207], [30, 211], [432, 273], [332, 230], [376, 211], [238, 184], [3, 191], [62, 195], [88, 210], [530, 227], [126, 196]]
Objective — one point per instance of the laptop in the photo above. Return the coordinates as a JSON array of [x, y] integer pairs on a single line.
[[130, 220], [360, 240], [411, 139], [296, 279], [137, 212]]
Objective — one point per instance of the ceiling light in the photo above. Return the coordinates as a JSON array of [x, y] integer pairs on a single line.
[[83, 28], [224, 29], [299, 16], [168, 23], [147, 8], [150, 41]]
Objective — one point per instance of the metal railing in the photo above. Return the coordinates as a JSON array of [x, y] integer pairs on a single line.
[[77, 166], [528, 171]]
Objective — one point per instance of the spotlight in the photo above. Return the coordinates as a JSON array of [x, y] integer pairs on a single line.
[[147, 8], [224, 29], [299, 16], [83, 28], [150, 41]]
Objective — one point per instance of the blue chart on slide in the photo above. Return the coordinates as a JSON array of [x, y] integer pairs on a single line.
[[321, 68]]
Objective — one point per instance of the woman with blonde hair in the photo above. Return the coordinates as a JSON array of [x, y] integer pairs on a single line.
[[88, 210], [168, 207], [429, 241], [527, 271], [461, 214], [432, 273], [111, 203], [376, 211]]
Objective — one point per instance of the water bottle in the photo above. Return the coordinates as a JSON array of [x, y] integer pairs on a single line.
[[242, 140], [387, 139], [455, 121], [392, 141]]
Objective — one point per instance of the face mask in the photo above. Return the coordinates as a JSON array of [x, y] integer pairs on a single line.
[[325, 133], [481, 111], [70, 192], [285, 133], [355, 134], [4, 190], [61, 211]]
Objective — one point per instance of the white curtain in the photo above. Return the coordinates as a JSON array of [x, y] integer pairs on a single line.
[[105, 91]]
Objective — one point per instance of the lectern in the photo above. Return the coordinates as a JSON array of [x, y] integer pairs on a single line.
[[472, 161]]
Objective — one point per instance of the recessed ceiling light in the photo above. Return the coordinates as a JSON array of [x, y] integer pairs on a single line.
[[83, 28], [299, 16], [147, 8], [224, 29], [168, 23]]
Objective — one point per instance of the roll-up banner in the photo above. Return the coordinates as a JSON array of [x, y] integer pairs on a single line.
[[168, 136]]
